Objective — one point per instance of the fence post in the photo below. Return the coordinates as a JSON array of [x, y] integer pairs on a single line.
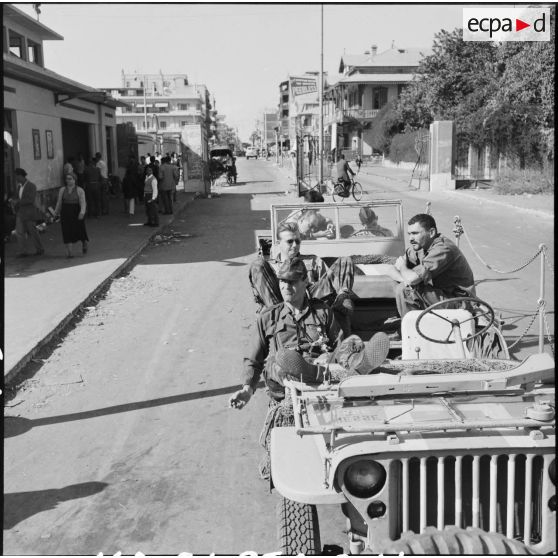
[[542, 248]]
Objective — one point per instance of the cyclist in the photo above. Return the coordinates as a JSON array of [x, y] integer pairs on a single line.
[[343, 171]]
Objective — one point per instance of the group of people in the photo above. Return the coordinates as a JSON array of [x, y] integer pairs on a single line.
[[306, 306], [86, 193], [151, 180], [92, 176]]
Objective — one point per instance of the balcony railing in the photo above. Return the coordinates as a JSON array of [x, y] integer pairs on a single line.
[[342, 115]]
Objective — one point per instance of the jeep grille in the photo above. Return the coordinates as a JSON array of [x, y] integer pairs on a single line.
[[502, 493]]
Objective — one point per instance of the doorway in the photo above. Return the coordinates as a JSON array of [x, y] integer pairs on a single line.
[[75, 139]]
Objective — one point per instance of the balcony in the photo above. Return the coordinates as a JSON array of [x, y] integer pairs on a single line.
[[345, 115]]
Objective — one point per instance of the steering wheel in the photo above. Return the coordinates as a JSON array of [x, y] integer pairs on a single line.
[[480, 309]]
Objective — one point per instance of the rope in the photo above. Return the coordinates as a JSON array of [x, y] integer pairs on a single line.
[[459, 230]]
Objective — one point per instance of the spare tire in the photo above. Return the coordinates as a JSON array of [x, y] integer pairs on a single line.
[[453, 541]]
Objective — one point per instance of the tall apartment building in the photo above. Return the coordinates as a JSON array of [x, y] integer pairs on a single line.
[[163, 105]]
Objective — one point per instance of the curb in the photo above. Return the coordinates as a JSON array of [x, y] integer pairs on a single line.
[[10, 376]]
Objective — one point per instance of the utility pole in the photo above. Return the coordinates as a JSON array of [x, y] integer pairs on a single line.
[[144, 103], [321, 138]]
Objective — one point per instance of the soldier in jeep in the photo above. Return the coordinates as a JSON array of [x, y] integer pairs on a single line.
[[332, 284], [433, 268], [295, 332]]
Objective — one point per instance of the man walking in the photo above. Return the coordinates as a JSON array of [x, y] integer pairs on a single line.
[[26, 212], [168, 177]]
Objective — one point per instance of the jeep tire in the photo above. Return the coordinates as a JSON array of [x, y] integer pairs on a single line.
[[453, 541], [299, 530]]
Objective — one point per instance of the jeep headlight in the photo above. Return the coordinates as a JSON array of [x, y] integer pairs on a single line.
[[364, 478]]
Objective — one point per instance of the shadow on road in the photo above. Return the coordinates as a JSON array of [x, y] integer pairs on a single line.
[[14, 426], [21, 505]]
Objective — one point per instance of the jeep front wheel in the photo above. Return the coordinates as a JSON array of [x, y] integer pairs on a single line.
[[299, 530], [453, 541]]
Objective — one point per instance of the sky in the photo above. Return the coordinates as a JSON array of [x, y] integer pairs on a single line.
[[241, 52]]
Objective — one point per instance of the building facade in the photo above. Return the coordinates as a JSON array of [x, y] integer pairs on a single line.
[[47, 117], [163, 105], [298, 107], [368, 83]]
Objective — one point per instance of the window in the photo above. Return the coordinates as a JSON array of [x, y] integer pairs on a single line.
[[183, 122], [16, 44], [162, 124], [139, 92], [166, 83], [127, 84], [379, 97], [34, 53], [141, 83], [183, 106]]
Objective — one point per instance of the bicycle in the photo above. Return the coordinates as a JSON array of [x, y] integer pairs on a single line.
[[342, 190]]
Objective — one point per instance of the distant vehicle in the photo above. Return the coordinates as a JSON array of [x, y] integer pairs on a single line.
[[251, 152]]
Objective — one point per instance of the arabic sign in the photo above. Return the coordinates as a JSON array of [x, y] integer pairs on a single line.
[[302, 86]]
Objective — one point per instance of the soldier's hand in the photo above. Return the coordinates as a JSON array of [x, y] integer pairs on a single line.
[[239, 399]]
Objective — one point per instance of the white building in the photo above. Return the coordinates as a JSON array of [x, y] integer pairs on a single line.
[[162, 105], [47, 117]]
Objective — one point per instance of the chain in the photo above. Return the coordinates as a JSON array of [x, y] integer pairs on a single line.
[[528, 262], [533, 318]]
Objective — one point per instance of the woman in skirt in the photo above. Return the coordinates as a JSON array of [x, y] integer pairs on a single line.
[[71, 209]]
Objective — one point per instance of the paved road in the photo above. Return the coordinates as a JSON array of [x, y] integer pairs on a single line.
[[122, 439]]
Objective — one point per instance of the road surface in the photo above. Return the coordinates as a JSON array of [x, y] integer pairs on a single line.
[[122, 439]]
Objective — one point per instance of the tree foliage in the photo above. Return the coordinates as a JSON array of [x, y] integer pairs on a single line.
[[502, 94]]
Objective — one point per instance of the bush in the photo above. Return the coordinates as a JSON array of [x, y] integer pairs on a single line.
[[402, 148], [526, 181]]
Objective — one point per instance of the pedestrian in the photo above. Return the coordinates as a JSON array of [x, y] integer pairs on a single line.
[[68, 166], [92, 182], [80, 169], [140, 178], [178, 173], [105, 185], [150, 199], [129, 188], [26, 214], [166, 184], [358, 162], [71, 207]]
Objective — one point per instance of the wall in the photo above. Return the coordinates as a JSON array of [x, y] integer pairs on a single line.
[[35, 109]]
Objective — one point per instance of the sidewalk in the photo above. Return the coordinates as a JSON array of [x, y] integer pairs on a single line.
[[539, 204], [43, 293]]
